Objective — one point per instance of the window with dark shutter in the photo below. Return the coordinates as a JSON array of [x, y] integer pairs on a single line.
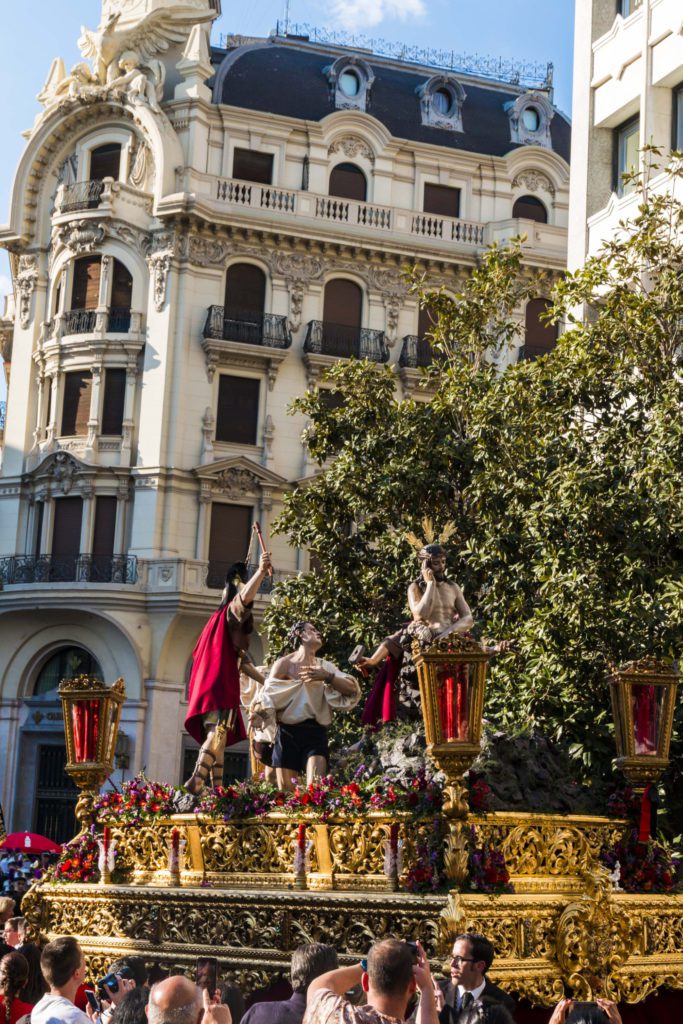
[[348, 182], [442, 200], [249, 165], [38, 536], [76, 407], [530, 208], [85, 292], [114, 399], [539, 337], [105, 162], [228, 540], [342, 318], [245, 292], [66, 538], [237, 413], [103, 539]]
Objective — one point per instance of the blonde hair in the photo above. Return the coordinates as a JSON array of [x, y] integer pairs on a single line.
[[6, 905]]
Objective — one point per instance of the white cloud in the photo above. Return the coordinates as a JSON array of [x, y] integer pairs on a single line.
[[360, 14]]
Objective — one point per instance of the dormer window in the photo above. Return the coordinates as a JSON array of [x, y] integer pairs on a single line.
[[530, 116], [441, 100], [350, 80]]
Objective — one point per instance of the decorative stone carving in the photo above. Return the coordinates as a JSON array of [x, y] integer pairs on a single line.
[[268, 435], [352, 147], [450, 119], [236, 483], [297, 269], [159, 264], [141, 165], [208, 426], [79, 236], [391, 284], [62, 470], [26, 283], [533, 180], [520, 132], [334, 73]]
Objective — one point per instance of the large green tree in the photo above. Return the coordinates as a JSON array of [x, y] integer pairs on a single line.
[[563, 476]]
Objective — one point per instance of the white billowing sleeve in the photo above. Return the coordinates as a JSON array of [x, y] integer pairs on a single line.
[[341, 701]]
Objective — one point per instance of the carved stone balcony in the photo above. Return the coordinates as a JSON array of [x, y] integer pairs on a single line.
[[97, 199], [82, 195], [253, 340], [117, 569]]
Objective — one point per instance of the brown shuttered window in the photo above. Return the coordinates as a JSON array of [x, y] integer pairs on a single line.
[[343, 303], [38, 537], [425, 321], [228, 540], [531, 209], [85, 293], [245, 291], [105, 525], [114, 398], [237, 413], [66, 532], [539, 337], [76, 407], [348, 182], [442, 200], [105, 162], [248, 165]]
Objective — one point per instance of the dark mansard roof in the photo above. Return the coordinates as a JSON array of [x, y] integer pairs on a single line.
[[288, 79]]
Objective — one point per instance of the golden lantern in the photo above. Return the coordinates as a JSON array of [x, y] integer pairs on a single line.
[[452, 676], [643, 702], [92, 712]]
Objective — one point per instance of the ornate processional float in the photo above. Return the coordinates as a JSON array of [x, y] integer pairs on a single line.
[[251, 872]]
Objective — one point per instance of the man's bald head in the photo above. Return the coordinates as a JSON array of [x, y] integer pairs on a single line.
[[175, 1000]]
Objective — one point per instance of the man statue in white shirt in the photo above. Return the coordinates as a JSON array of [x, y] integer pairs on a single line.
[[297, 702]]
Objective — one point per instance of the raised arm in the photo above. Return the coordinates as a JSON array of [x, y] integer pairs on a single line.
[[421, 603], [250, 588]]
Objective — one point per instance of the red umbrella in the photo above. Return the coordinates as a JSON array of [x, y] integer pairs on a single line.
[[30, 842]]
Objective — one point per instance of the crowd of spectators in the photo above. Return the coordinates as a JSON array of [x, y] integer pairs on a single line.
[[393, 985], [18, 870]]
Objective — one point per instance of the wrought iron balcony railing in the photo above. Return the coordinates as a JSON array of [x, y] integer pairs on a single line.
[[417, 352], [84, 321], [82, 195], [266, 329], [327, 339], [119, 569], [215, 578]]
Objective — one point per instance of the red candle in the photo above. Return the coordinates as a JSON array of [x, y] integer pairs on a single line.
[[106, 837], [175, 841], [302, 837]]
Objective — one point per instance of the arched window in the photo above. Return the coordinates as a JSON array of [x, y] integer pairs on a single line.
[[245, 303], [539, 337], [121, 298], [64, 664], [342, 318], [85, 296], [530, 208], [348, 182], [105, 162]]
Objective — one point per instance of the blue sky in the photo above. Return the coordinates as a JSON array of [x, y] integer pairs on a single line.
[[34, 33]]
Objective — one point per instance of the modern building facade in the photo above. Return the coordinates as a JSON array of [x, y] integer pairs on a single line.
[[628, 94], [195, 235]]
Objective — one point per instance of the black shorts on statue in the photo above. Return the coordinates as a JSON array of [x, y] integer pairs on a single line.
[[296, 743]]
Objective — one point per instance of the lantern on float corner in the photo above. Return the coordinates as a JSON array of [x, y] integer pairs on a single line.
[[643, 702], [92, 713], [452, 676]]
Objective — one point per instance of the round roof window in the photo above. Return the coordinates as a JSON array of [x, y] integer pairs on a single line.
[[349, 83], [531, 119]]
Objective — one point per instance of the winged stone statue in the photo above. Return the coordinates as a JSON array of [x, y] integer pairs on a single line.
[[150, 36]]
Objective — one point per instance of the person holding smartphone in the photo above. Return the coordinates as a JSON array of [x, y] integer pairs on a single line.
[[63, 966]]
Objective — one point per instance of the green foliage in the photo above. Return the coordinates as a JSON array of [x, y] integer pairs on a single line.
[[564, 477]]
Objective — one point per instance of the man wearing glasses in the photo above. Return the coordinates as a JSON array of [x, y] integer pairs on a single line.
[[471, 959]]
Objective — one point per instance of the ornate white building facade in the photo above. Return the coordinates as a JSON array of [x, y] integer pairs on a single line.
[[628, 94], [195, 235]]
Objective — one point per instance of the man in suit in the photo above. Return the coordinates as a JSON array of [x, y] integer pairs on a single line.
[[308, 963], [471, 959]]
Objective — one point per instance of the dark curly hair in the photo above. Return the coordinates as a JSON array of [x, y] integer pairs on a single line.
[[13, 977], [131, 1009], [296, 633]]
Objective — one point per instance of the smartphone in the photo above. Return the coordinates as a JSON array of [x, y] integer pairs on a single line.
[[412, 946], [107, 985], [93, 1000], [206, 973]]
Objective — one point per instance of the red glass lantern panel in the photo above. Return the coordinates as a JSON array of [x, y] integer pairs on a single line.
[[454, 701], [85, 716], [646, 708]]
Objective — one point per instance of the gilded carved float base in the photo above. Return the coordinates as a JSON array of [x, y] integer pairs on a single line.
[[600, 942]]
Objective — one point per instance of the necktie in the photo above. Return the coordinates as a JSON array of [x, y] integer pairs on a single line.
[[467, 1000]]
